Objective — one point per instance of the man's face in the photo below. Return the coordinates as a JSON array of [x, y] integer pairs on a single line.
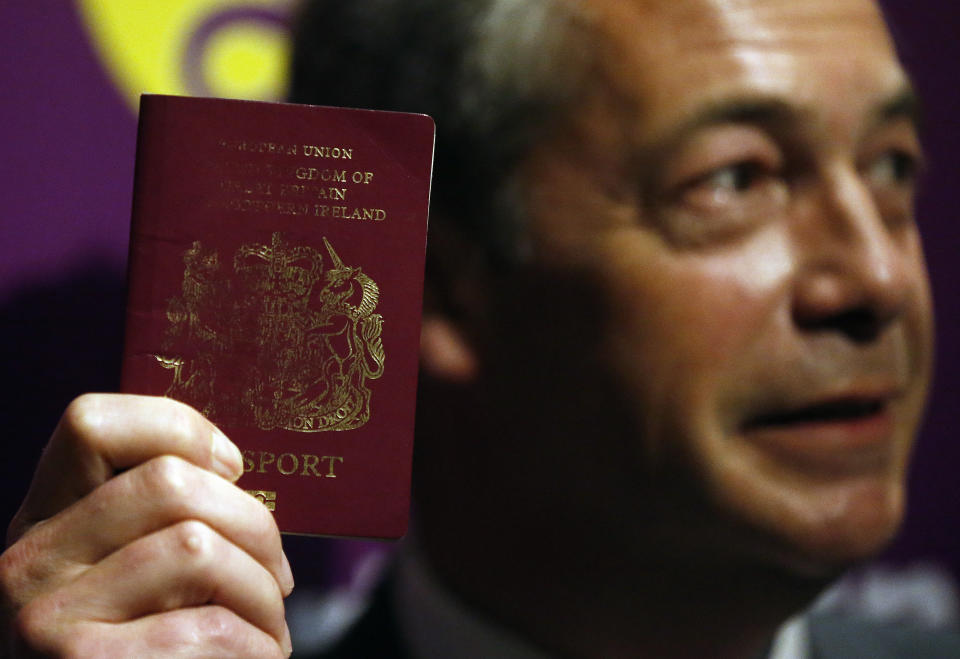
[[741, 186]]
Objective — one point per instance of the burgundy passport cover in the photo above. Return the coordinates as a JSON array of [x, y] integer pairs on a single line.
[[276, 276]]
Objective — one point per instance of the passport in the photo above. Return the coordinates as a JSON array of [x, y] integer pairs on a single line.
[[275, 284]]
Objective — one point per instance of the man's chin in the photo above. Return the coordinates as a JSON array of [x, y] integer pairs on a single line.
[[830, 536], [811, 525]]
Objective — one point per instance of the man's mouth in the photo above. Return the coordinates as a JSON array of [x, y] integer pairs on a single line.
[[827, 412], [843, 434]]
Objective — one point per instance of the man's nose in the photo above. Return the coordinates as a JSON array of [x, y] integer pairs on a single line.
[[854, 272]]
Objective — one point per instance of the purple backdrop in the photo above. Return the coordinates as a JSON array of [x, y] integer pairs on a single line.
[[926, 31], [68, 141]]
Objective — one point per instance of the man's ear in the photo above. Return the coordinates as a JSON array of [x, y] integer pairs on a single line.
[[445, 353], [453, 300]]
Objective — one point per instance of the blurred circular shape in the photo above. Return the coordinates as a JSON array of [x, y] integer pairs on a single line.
[[246, 59], [229, 54], [198, 47]]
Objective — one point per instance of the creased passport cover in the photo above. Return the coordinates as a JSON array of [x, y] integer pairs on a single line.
[[276, 276]]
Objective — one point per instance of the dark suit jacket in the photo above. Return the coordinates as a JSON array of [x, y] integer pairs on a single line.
[[377, 636]]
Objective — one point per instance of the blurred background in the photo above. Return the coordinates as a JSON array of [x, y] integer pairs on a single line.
[[71, 74]]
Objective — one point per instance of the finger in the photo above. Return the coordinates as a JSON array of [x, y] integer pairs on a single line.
[[100, 434], [176, 634], [140, 501], [206, 631], [185, 565]]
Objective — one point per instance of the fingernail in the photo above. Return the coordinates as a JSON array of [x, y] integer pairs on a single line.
[[227, 460], [286, 573]]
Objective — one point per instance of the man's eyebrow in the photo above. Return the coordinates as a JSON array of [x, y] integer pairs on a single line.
[[740, 110], [904, 104], [766, 111], [773, 112]]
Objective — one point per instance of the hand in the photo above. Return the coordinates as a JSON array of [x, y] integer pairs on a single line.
[[133, 542]]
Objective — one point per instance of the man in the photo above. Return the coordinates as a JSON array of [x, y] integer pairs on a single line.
[[676, 345]]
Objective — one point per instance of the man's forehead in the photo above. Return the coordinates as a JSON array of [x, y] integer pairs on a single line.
[[669, 58], [734, 10], [663, 26]]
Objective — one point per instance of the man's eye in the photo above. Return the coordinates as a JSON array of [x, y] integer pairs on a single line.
[[893, 168], [734, 178], [742, 187], [892, 177], [726, 202]]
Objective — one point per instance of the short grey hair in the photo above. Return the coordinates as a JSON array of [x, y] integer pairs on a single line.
[[494, 74]]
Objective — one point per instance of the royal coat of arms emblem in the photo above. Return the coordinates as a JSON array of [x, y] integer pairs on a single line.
[[300, 337]]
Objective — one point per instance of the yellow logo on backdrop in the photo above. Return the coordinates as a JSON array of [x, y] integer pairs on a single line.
[[198, 47]]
